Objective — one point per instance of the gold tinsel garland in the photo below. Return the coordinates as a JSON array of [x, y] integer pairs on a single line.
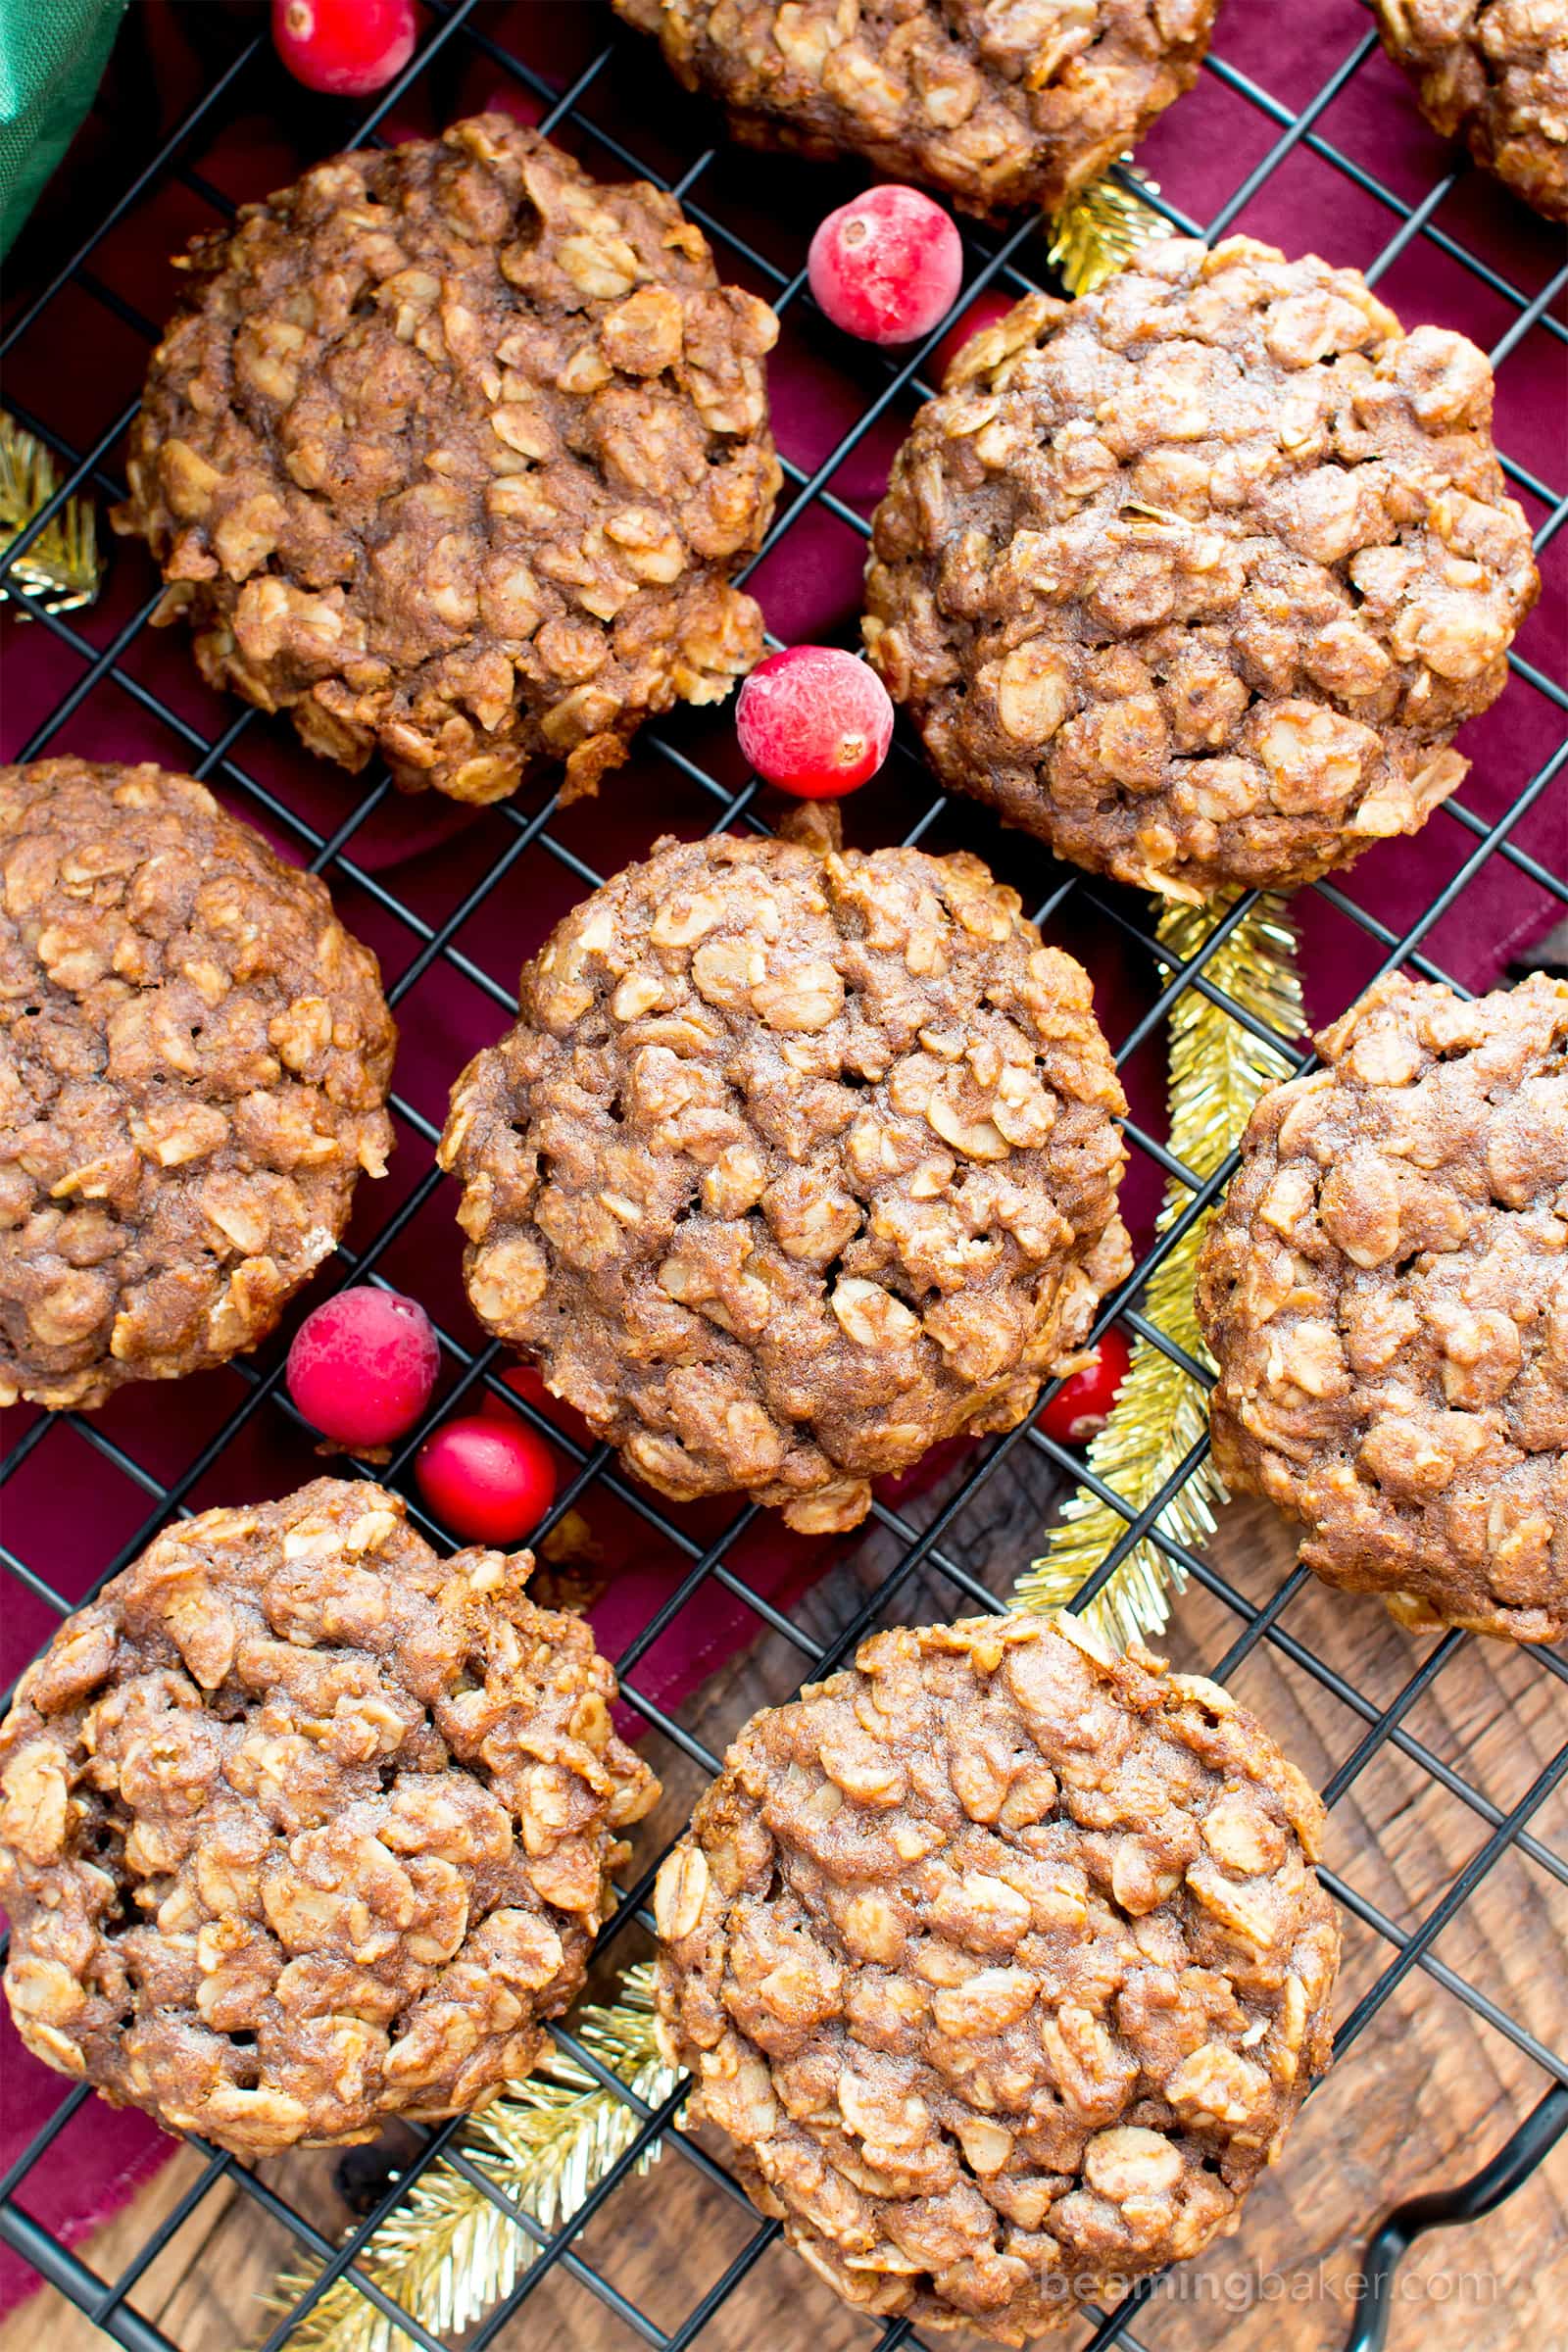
[[61, 569], [448, 2253], [1097, 231], [1218, 1068]]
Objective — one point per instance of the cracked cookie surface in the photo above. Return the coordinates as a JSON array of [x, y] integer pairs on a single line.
[[451, 453], [1002, 1965], [1196, 576], [194, 1059], [1495, 74], [997, 103], [794, 1165], [302, 1827], [1385, 1293]]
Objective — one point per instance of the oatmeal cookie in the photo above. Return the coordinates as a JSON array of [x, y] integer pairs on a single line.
[[997, 103], [303, 1826], [1196, 576], [795, 1163], [1495, 74], [1385, 1293], [1002, 1964], [451, 453], [194, 1055]]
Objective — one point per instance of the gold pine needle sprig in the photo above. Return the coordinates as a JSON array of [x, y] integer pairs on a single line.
[[1097, 231], [1218, 1071], [447, 2252], [61, 568]]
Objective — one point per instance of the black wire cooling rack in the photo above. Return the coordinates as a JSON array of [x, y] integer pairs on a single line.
[[914, 1536]]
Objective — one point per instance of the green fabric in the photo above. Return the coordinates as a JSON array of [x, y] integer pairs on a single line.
[[52, 56]]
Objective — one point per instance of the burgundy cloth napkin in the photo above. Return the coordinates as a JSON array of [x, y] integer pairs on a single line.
[[65, 1511]]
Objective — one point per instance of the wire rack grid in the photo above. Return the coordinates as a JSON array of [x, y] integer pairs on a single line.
[[535, 849]]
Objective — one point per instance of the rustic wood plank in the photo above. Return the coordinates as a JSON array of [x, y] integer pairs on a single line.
[[1428, 2092]]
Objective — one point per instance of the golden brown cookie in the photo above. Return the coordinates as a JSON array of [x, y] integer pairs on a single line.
[[794, 1165], [1495, 74], [194, 1058], [302, 1827], [1002, 1965], [997, 103], [1196, 577], [451, 453], [1386, 1291]]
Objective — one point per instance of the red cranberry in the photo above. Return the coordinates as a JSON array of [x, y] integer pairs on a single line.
[[985, 310], [347, 47], [887, 266], [363, 1366], [489, 1480], [814, 720], [1081, 1406]]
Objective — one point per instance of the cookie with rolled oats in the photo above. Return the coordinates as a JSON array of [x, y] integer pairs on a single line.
[[1385, 1293], [195, 1065], [302, 1827], [1196, 577], [451, 453], [1003, 1966], [797, 1161], [1495, 74], [995, 103]]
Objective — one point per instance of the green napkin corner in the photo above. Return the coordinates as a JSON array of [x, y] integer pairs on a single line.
[[52, 56]]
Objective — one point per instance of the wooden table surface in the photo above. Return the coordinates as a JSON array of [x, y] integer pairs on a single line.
[[1424, 2096]]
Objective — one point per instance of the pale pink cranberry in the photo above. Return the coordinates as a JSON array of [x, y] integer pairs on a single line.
[[363, 1366], [888, 267], [488, 1481], [814, 720], [347, 47]]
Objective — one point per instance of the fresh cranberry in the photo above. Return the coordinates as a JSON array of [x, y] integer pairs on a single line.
[[814, 720], [985, 310], [348, 47], [489, 1480], [1081, 1406], [887, 266], [363, 1366]]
